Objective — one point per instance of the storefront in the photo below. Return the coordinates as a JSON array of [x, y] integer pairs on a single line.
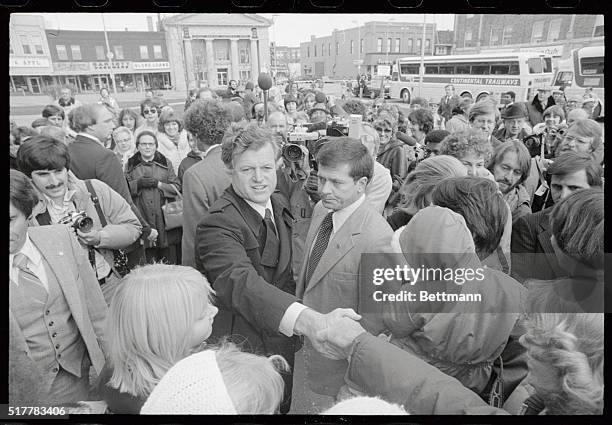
[[29, 74]]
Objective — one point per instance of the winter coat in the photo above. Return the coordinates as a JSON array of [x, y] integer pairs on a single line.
[[465, 339], [150, 200], [174, 152], [395, 156]]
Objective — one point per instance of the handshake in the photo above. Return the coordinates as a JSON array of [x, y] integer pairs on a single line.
[[331, 334]]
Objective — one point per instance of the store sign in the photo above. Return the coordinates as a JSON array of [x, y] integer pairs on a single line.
[[383, 70], [105, 66], [27, 62], [71, 66], [150, 65], [479, 81]]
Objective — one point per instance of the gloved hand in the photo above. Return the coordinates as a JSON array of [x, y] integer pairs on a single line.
[[146, 182]]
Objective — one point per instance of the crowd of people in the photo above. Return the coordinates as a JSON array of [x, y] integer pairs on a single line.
[[190, 262]]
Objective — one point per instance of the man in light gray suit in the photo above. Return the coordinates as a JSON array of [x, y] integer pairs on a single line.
[[57, 310], [344, 225]]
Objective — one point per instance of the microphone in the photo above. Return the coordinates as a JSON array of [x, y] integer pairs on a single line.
[[265, 82], [320, 97]]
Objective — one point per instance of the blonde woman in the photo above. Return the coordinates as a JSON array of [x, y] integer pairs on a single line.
[[124, 145], [159, 315]]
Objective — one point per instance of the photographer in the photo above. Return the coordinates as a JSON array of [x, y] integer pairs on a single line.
[[47, 162]]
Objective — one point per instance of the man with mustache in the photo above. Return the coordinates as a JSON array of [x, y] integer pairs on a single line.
[[510, 166], [583, 136]]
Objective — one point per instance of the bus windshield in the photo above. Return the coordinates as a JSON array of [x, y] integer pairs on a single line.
[[592, 66]]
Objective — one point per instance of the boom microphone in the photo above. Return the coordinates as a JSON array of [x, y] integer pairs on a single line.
[[265, 82]]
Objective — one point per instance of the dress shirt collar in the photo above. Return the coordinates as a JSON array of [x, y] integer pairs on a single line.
[[30, 251], [94, 138], [261, 210], [339, 217]]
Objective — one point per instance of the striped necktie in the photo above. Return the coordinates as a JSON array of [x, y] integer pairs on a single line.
[[28, 280], [325, 231]]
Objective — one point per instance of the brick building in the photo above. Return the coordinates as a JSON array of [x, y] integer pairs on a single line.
[[551, 34], [139, 59], [344, 53], [285, 61]]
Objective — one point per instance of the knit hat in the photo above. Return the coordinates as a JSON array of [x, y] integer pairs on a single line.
[[193, 386], [290, 98], [515, 110]]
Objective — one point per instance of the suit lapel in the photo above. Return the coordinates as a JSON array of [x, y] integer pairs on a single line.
[[283, 223], [57, 259], [339, 245], [544, 239]]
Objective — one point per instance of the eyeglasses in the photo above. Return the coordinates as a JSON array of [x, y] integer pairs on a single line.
[[583, 141], [148, 145], [149, 111], [383, 130]]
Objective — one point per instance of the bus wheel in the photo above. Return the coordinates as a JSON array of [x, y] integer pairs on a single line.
[[466, 94], [405, 96]]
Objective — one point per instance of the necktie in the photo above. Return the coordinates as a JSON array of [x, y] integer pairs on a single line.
[[27, 279], [325, 231], [269, 256]]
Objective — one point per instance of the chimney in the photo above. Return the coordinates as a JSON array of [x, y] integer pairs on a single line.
[[150, 23]]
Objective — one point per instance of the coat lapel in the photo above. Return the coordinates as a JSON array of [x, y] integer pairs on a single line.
[[544, 239], [283, 221]]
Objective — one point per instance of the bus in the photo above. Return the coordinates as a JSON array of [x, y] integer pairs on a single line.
[[582, 71], [472, 75]]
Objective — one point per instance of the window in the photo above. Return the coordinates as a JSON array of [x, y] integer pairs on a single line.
[[27, 50], [409, 69], [245, 75], [361, 46], [462, 68], [245, 55], [379, 45], [76, 53], [500, 69], [598, 31], [37, 42], [157, 51], [547, 64], [431, 69], [221, 53], [410, 46], [352, 46], [222, 76], [537, 33], [419, 44], [494, 39], [480, 69], [592, 66], [118, 52], [315, 51], [447, 69], [468, 35], [144, 52], [99, 53], [388, 45], [427, 45], [554, 29], [62, 53], [397, 45], [328, 49], [535, 65], [507, 35]]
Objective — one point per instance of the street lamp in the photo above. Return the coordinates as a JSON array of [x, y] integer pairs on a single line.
[[274, 47], [422, 67], [109, 55]]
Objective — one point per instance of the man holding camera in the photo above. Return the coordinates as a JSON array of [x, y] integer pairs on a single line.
[[66, 199]]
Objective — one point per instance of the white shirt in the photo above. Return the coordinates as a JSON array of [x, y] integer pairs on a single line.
[[261, 210], [35, 263], [339, 217]]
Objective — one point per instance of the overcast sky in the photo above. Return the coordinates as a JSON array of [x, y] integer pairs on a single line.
[[289, 29]]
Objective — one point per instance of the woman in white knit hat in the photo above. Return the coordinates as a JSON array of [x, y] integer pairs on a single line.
[[159, 315]]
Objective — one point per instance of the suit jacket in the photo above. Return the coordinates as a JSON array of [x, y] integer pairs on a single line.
[[335, 281], [532, 252], [252, 297], [71, 267], [445, 109]]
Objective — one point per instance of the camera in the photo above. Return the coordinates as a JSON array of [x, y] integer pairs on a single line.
[[79, 221], [337, 128]]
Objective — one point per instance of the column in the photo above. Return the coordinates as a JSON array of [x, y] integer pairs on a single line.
[[234, 59], [189, 68], [211, 72], [254, 61]]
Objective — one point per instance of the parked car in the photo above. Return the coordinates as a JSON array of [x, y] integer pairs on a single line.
[[372, 89]]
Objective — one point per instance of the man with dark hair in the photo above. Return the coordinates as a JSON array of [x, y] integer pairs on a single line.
[[355, 106], [54, 114], [531, 234], [47, 162], [448, 102], [421, 122], [56, 309], [510, 166], [203, 174], [432, 142], [418, 103], [343, 227], [243, 246]]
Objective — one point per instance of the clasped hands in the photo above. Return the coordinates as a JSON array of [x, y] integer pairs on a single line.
[[331, 334]]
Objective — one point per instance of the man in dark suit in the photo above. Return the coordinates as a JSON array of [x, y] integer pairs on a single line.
[[243, 246], [89, 159], [533, 256], [448, 102]]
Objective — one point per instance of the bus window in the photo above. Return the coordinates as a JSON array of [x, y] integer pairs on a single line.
[[564, 78], [514, 68], [447, 69], [409, 69], [463, 68], [431, 69], [547, 64], [500, 69], [592, 66], [480, 69], [535, 65]]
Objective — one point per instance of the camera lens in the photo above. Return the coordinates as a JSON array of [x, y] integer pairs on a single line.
[[84, 224], [293, 153]]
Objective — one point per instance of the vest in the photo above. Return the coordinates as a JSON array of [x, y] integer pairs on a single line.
[[50, 331]]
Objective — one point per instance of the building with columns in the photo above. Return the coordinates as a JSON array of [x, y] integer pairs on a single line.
[[209, 49]]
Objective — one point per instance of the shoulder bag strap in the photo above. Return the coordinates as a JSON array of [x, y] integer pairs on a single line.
[[96, 201]]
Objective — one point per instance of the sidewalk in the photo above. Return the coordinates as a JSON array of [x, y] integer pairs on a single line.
[[36, 100]]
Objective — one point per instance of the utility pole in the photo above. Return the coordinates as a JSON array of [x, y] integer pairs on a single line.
[[422, 67], [109, 55]]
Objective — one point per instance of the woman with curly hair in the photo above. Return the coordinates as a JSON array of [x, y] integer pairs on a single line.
[[130, 119], [150, 111], [172, 138], [471, 148]]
